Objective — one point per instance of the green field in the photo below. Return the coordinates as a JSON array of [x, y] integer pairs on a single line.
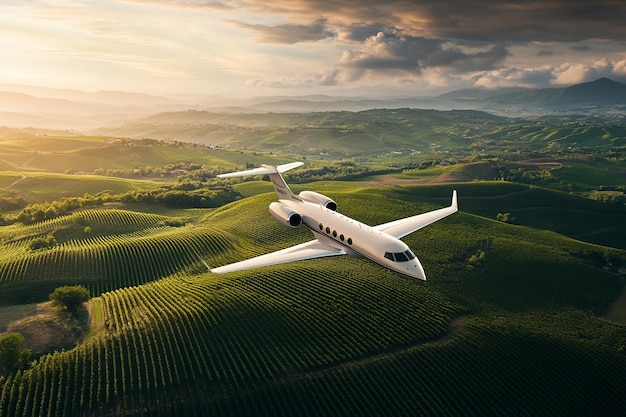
[[520, 334], [513, 320]]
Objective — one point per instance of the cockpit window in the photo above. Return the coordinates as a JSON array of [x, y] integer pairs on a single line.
[[400, 256]]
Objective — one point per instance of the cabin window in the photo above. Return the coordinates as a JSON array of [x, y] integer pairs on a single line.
[[327, 229], [334, 233], [321, 226], [349, 241], [342, 237]]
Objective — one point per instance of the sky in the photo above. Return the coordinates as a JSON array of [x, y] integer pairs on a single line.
[[248, 48]]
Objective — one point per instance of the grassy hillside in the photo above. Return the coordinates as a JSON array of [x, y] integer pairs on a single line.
[[540, 208], [389, 133], [40, 187], [29, 153], [518, 332]]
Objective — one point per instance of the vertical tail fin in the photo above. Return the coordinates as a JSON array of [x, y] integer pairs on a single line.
[[274, 172]]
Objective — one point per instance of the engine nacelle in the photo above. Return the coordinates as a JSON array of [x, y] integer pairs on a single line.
[[285, 215], [317, 198]]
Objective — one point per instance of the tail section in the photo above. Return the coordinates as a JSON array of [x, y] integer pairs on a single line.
[[274, 172]]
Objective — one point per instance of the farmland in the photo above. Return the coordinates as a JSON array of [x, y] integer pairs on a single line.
[[510, 322], [341, 337]]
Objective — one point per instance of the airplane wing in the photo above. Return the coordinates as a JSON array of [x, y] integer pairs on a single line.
[[403, 227], [308, 250]]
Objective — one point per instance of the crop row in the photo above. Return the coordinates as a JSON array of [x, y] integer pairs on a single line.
[[108, 217], [103, 263], [297, 342], [223, 336]]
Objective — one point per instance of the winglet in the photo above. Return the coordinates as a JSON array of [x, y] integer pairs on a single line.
[[454, 200]]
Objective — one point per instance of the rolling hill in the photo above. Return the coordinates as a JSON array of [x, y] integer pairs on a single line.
[[514, 331]]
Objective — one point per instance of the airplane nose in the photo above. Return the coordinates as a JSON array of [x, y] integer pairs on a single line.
[[418, 271], [419, 274], [413, 270]]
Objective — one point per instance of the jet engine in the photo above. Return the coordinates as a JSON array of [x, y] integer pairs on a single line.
[[285, 215], [317, 198]]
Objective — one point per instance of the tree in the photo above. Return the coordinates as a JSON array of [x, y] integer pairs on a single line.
[[12, 357], [506, 218], [43, 242], [70, 296]]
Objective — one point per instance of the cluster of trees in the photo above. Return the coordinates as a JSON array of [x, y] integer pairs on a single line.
[[70, 297], [183, 194], [506, 218], [148, 171], [201, 175], [8, 204], [476, 260], [34, 213], [617, 201], [528, 176], [339, 170], [184, 198], [43, 242], [12, 356]]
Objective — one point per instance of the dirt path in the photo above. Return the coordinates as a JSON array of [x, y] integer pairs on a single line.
[[14, 182], [457, 324]]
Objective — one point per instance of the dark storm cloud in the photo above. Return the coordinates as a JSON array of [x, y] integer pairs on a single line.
[[290, 33], [509, 20], [545, 52], [360, 32], [412, 54], [521, 20]]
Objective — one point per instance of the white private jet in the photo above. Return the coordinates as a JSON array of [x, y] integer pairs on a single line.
[[336, 234]]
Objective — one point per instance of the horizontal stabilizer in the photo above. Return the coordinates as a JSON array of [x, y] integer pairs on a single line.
[[263, 170]]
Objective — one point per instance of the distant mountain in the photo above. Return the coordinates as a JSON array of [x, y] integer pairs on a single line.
[[29, 106], [514, 101], [599, 92], [111, 98], [22, 106]]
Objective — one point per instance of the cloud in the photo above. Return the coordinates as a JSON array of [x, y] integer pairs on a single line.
[[552, 75], [290, 33], [383, 53], [186, 4], [329, 78], [514, 77], [401, 39], [571, 73], [484, 20]]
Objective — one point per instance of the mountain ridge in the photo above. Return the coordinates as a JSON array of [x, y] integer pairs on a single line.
[[57, 108]]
